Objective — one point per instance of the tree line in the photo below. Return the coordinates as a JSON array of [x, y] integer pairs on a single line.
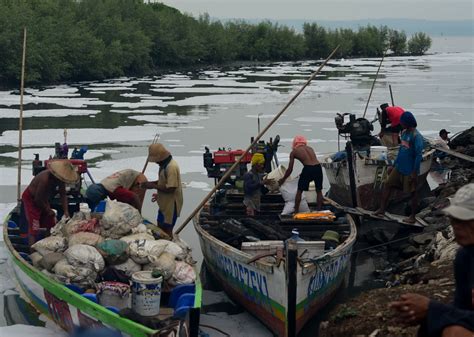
[[70, 40]]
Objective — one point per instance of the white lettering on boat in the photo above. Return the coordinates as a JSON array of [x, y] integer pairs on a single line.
[[251, 283], [326, 273]]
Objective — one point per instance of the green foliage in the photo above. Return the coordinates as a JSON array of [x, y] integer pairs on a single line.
[[398, 42], [419, 44], [70, 40]]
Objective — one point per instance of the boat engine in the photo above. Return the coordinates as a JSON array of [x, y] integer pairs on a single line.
[[217, 162], [358, 129]]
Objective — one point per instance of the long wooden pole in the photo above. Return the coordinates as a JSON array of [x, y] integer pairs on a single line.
[[20, 126], [373, 85], [231, 169], [391, 94]]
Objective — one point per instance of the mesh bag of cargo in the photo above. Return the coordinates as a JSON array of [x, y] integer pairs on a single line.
[[50, 244], [165, 264], [85, 256], [85, 238], [113, 251], [119, 218]]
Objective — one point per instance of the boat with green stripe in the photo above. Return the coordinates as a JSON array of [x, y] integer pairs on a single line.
[[68, 308]]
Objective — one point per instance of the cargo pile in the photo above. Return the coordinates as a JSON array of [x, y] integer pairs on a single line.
[[99, 253]]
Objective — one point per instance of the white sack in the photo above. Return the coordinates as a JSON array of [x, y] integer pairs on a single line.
[[50, 244], [85, 256], [288, 192], [85, 238]]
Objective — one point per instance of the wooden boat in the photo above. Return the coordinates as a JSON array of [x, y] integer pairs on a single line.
[[69, 308], [285, 290], [358, 180]]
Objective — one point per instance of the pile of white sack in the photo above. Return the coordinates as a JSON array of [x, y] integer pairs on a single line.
[[80, 248]]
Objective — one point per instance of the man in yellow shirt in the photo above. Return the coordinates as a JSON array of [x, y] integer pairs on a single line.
[[169, 194]]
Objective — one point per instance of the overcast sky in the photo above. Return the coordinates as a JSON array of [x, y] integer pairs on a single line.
[[328, 9]]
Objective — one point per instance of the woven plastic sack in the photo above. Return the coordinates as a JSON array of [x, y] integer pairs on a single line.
[[76, 226], [288, 192], [119, 214], [67, 273], [36, 259], [85, 238], [85, 256], [139, 236], [50, 244], [165, 264], [49, 260], [183, 274], [141, 249], [128, 267]]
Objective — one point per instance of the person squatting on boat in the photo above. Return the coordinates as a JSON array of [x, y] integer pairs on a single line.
[[438, 319], [311, 170], [169, 192], [253, 184], [404, 174], [121, 186], [389, 136], [437, 171], [36, 211]]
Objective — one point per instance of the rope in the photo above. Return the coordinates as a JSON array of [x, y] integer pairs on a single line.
[[214, 328]]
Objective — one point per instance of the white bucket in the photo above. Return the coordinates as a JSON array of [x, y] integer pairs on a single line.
[[276, 175], [378, 152], [146, 293]]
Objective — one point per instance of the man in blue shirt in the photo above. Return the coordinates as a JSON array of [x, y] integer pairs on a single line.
[[405, 173]]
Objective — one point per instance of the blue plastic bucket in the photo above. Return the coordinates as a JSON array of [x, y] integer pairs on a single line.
[[146, 293]]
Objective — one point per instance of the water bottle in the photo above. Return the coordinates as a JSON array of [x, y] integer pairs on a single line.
[[84, 208]]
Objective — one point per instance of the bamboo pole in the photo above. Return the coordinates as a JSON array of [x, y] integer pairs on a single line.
[[20, 126], [231, 169], [155, 139], [373, 85], [391, 94]]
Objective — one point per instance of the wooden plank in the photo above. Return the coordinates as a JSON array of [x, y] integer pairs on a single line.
[[391, 217], [455, 154]]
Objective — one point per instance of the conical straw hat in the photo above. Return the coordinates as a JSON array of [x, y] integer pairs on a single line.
[[157, 153], [63, 170]]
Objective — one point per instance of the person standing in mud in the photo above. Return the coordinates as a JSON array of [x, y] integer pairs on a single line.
[[169, 194], [311, 170], [438, 319], [404, 175]]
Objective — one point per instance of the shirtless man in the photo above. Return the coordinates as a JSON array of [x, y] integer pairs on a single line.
[[311, 171], [36, 211]]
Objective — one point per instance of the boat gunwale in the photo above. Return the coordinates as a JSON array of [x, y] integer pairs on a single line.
[[83, 304], [308, 267]]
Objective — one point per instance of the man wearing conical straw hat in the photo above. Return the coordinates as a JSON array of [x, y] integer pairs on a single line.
[[36, 211], [169, 194]]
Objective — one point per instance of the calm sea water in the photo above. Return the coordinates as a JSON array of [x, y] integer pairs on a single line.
[[218, 107]]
